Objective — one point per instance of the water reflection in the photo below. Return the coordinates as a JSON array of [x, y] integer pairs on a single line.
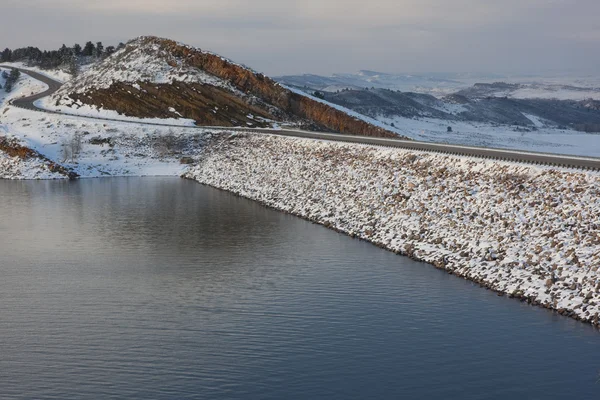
[[162, 288]]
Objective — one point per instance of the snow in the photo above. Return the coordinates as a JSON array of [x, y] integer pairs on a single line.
[[529, 232], [136, 63], [15, 167], [129, 150], [440, 85], [558, 93], [134, 147], [56, 74], [85, 110], [544, 139], [33, 168]]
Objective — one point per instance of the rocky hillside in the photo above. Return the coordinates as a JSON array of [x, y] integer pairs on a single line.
[[159, 78], [20, 162]]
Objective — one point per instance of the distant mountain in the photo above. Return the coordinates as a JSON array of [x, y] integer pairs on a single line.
[[159, 78], [471, 106], [373, 79], [443, 84]]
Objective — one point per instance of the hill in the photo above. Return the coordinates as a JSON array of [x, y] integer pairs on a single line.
[[159, 78]]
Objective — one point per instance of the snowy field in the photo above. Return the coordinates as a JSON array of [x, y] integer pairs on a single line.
[[529, 232], [545, 140]]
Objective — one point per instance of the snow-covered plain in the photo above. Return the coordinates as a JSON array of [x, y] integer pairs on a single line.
[[529, 232], [544, 139]]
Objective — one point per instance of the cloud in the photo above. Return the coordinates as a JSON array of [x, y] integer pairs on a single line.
[[323, 36]]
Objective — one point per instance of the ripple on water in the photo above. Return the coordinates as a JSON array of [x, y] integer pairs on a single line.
[[162, 288]]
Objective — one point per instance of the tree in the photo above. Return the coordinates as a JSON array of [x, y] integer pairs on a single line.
[[109, 51], [99, 50], [71, 147], [14, 75], [88, 49], [11, 79], [449, 129], [6, 55], [319, 95], [73, 66], [77, 49], [121, 46]]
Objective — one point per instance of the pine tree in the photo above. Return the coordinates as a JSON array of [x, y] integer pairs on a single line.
[[77, 49], [6, 55], [109, 51], [99, 50], [89, 49], [14, 75], [73, 66]]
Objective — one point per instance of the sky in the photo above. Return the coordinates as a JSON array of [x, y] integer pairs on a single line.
[[280, 37]]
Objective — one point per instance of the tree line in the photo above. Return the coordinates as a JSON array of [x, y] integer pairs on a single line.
[[67, 58]]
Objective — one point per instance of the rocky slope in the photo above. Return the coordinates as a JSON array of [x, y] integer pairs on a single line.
[[20, 162], [528, 232], [154, 77]]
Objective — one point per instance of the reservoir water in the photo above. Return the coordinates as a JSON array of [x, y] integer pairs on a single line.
[[160, 288]]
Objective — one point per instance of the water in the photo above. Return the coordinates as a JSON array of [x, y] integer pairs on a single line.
[[153, 288]]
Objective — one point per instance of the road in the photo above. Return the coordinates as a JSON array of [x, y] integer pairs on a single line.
[[481, 152]]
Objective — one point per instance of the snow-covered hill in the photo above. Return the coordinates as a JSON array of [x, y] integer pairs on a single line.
[[140, 61], [159, 78]]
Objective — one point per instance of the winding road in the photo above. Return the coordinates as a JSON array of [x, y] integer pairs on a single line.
[[487, 153]]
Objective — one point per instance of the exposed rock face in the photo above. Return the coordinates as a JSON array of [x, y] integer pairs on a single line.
[[207, 105], [155, 77]]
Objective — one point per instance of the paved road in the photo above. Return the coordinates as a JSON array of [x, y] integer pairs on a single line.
[[488, 153], [28, 102]]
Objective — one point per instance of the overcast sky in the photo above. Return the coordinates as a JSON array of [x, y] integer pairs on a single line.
[[326, 36]]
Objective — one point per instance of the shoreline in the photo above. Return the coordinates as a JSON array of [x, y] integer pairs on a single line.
[[518, 296], [568, 290]]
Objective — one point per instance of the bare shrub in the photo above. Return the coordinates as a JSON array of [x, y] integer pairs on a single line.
[[71, 147]]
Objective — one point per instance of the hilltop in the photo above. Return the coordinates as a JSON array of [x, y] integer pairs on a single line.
[[151, 77]]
